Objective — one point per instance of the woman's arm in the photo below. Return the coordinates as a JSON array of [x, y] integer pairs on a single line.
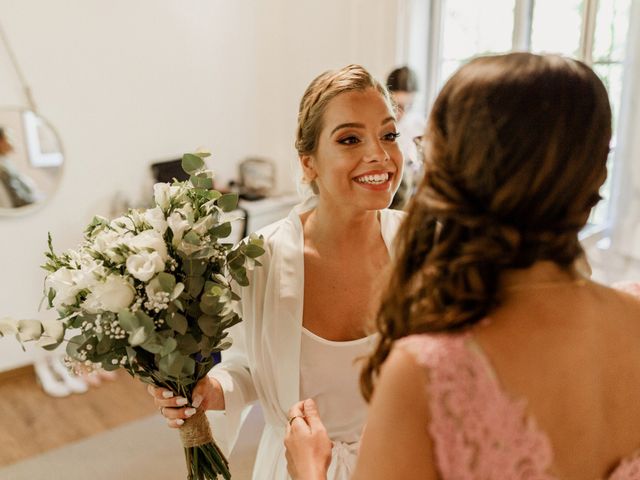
[[396, 441]]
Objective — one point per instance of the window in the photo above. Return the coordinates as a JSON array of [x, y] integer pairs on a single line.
[[594, 31]]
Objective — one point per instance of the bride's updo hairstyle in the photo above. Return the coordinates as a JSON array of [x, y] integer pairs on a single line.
[[320, 92], [515, 153]]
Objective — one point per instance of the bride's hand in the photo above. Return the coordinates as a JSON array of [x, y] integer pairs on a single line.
[[308, 446], [207, 395]]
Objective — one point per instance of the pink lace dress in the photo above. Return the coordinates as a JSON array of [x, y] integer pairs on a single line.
[[479, 431]]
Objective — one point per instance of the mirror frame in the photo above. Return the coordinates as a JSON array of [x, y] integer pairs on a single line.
[[28, 209]]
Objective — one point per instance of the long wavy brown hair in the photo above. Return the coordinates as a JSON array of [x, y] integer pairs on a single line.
[[515, 153]]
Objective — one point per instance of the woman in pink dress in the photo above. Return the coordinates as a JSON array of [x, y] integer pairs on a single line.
[[497, 359]]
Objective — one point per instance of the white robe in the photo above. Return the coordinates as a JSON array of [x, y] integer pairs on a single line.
[[264, 362]]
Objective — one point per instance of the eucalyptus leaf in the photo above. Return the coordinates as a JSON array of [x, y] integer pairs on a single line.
[[167, 281], [172, 364], [253, 251], [47, 343], [128, 320], [209, 325], [240, 276], [201, 181], [177, 322], [138, 336], [192, 163], [194, 285], [211, 306], [221, 231], [169, 345], [131, 353], [192, 237], [104, 345], [223, 346], [228, 202], [145, 320], [194, 267], [188, 367], [187, 344], [213, 194]]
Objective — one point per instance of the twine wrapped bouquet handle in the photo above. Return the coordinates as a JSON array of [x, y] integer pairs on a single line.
[[196, 431]]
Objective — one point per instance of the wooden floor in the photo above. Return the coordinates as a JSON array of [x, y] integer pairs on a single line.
[[31, 422]]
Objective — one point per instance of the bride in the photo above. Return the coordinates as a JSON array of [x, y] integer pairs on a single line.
[[306, 310]]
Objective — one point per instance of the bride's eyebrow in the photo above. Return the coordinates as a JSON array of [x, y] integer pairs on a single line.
[[347, 125], [360, 125]]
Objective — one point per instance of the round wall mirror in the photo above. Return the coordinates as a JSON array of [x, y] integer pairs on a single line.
[[31, 161]]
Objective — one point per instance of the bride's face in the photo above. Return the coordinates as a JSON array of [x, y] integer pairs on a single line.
[[357, 161]]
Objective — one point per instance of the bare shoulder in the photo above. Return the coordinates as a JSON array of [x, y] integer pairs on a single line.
[[398, 424]]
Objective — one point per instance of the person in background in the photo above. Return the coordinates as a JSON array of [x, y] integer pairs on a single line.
[[496, 358], [403, 86], [307, 309], [16, 188]]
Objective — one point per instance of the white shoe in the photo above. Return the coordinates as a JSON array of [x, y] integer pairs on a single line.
[[48, 381], [74, 383]]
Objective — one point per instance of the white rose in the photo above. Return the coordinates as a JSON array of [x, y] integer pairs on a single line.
[[178, 226], [63, 282], [155, 218], [149, 240], [145, 265], [112, 295]]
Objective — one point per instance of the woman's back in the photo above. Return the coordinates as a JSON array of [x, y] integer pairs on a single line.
[[551, 386]]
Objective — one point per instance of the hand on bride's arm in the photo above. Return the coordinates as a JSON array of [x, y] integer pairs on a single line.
[[308, 446], [207, 395]]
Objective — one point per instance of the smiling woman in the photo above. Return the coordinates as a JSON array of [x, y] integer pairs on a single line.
[[308, 309]]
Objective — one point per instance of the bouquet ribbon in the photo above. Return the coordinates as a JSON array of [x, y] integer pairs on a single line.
[[196, 431]]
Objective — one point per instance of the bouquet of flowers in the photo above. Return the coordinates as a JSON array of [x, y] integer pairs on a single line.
[[151, 292]]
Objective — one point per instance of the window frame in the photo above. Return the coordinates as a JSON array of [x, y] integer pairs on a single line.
[[521, 41]]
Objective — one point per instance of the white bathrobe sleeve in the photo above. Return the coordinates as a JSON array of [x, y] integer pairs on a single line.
[[234, 373]]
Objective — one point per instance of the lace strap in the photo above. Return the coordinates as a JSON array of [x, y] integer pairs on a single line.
[[478, 431]]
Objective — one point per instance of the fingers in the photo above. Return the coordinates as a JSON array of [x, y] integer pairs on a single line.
[[200, 392], [165, 398], [297, 420], [310, 411]]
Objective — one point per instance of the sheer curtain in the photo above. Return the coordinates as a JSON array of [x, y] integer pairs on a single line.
[[625, 235]]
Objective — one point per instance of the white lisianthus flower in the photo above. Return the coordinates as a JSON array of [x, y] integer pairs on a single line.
[[149, 240], [107, 241], [163, 193], [178, 225], [123, 224], [145, 265], [63, 282], [155, 218], [112, 295]]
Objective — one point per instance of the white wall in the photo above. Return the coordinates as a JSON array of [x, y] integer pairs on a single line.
[[128, 82]]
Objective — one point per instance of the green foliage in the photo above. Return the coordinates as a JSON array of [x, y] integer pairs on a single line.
[[192, 163]]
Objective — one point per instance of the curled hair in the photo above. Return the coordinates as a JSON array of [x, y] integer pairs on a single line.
[[318, 95], [515, 155]]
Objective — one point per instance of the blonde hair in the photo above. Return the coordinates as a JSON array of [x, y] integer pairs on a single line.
[[320, 92]]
